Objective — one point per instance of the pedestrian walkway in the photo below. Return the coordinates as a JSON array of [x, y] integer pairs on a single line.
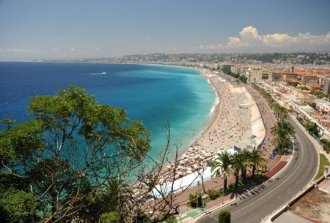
[[190, 215], [313, 140], [273, 165], [290, 217], [325, 186]]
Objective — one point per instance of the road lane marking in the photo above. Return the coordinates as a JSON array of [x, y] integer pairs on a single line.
[[276, 187], [284, 174]]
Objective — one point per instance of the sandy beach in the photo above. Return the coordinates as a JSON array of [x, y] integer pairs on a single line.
[[230, 124], [261, 121], [236, 121]]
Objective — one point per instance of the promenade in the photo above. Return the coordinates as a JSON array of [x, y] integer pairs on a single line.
[[274, 165]]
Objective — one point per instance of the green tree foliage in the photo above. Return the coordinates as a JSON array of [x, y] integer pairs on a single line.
[[313, 129], [222, 164], [283, 132], [326, 145], [214, 194], [324, 163], [266, 95], [227, 70], [320, 94], [256, 159], [243, 79], [280, 112], [224, 217], [61, 162], [109, 217], [18, 206], [196, 200], [246, 161], [237, 160], [7, 122], [171, 219], [237, 164]]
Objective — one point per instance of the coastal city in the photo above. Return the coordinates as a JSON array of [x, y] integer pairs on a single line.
[[147, 111], [254, 91], [300, 87], [300, 80]]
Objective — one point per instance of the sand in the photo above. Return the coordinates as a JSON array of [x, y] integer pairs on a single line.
[[231, 124]]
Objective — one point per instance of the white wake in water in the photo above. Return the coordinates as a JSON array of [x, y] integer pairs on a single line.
[[96, 74]]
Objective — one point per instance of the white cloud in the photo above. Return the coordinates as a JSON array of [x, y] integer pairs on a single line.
[[250, 39], [278, 39], [249, 34], [236, 42]]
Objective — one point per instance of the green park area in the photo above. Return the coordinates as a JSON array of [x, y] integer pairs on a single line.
[[323, 163]]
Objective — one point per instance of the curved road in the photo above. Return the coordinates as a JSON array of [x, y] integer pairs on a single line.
[[256, 205]]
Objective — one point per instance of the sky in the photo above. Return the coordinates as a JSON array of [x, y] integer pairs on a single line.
[[68, 29]]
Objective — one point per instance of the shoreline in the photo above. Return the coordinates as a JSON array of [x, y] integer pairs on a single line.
[[224, 91], [230, 124], [217, 115], [211, 117], [214, 111], [216, 105]]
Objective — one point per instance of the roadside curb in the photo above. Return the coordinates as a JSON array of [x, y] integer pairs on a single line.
[[248, 191], [310, 186], [315, 143]]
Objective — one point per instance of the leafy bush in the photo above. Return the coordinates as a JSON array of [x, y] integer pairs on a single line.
[[313, 129], [232, 188], [109, 217], [214, 194], [282, 151], [224, 217], [326, 145], [196, 200], [171, 219]]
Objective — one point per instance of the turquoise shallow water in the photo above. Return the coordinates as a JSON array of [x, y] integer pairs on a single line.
[[153, 94]]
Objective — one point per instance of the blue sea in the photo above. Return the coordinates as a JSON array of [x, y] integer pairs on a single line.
[[153, 94]]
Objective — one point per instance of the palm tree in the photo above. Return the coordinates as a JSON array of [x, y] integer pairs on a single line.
[[222, 164], [256, 159], [236, 162], [283, 131], [245, 163], [280, 112], [276, 108], [313, 129], [283, 113]]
